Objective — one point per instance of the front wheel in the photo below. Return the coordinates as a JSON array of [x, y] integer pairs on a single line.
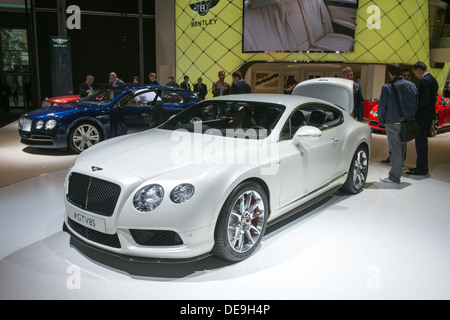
[[83, 136], [434, 126], [357, 173], [241, 223]]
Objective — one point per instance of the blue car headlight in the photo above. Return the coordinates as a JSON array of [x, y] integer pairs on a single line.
[[182, 193], [50, 124], [148, 198], [39, 124]]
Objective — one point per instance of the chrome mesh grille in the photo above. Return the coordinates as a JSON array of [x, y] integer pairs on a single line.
[[25, 124], [92, 194]]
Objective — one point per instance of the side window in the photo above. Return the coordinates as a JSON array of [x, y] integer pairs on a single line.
[[322, 116], [316, 115], [142, 97], [295, 121], [171, 97]]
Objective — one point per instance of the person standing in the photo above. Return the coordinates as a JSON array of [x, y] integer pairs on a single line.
[[358, 109], [425, 114], [185, 84], [406, 74], [135, 80], [447, 91], [114, 81], [405, 92], [220, 87], [86, 87], [172, 82], [200, 88], [239, 85], [153, 81]]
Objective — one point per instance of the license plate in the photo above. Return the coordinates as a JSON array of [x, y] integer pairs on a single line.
[[88, 221]]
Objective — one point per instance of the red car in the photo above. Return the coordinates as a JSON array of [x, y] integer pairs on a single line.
[[56, 101], [441, 120]]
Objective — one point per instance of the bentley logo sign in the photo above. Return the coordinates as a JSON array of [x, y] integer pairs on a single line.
[[94, 168], [203, 7]]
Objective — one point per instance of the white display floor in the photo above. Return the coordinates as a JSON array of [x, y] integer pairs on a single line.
[[388, 242]]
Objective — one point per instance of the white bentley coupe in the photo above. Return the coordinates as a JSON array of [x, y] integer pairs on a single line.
[[211, 178]]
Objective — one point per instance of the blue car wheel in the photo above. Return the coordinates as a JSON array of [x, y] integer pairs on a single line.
[[83, 136]]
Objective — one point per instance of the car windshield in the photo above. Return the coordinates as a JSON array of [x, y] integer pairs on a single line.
[[102, 96], [237, 119]]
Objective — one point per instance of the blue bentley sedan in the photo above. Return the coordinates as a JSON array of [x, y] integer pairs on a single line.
[[105, 113]]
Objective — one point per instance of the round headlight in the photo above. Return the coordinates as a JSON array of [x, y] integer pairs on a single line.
[[182, 193], [148, 198], [375, 113], [50, 124], [39, 124]]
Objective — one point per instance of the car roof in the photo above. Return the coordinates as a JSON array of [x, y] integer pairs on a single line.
[[289, 101]]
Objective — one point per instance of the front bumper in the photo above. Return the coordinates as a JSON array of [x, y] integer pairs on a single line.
[[106, 219], [42, 140], [168, 245], [375, 125]]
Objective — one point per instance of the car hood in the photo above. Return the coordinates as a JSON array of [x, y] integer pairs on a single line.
[[335, 90], [55, 110], [155, 152]]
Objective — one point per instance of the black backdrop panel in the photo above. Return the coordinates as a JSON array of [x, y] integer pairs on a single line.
[[47, 26], [105, 44]]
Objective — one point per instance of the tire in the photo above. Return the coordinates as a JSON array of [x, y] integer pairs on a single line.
[[83, 136], [357, 173], [241, 223], [434, 126]]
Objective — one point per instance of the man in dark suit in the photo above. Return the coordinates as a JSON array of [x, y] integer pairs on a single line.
[[86, 87], [239, 85], [114, 81], [200, 88], [172, 82], [185, 84], [358, 104], [425, 114]]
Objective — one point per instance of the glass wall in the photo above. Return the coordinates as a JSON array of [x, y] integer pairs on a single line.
[[15, 65]]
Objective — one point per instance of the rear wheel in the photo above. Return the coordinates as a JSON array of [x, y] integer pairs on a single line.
[[357, 173], [241, 223], [83, 136]]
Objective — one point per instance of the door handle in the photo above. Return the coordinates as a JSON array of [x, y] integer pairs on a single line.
[[334, 140]]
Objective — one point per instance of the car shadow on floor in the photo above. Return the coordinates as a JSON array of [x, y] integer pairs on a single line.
[[177, 270]]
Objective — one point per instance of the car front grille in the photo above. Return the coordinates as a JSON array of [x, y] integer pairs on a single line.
[[110, 240], [25, 124], [92, 194]]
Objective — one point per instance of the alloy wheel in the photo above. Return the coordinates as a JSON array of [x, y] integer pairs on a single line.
[[360, 168], [85, 136], [246, 221]]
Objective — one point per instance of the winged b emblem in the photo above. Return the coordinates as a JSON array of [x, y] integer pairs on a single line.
[[203, 7], [60, 40]]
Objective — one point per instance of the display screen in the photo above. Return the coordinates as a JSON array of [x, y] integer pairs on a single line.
[[299, 25]]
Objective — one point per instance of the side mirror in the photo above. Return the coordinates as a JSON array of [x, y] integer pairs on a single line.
[[306, 133]]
